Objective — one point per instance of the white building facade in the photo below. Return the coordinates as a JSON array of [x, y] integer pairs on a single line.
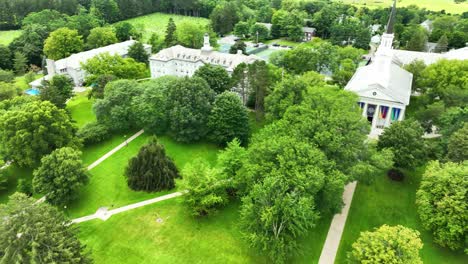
[[181, 61], [384, 88], [71, 66]]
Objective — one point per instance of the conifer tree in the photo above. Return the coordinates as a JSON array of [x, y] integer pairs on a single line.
[[151, 170], [442, 44], [171, 37]]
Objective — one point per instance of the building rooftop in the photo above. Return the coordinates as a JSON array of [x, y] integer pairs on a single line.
[[226, 60]]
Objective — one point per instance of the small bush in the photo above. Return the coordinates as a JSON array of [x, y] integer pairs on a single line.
[[6, 76], [93, 133], [25, 187], [396, 175]]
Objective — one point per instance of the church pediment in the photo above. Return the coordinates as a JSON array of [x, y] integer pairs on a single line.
[[375, 91]]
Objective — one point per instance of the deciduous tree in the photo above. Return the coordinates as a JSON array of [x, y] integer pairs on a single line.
[[138, 53], [216, 76], [60, 176], [34, 129], [62, 43], [228, 119], [57, 91], [441, 201], [124, 31], [100, 37], [404, 138]]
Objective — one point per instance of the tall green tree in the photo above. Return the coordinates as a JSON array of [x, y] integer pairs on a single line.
[[30, 43], [115, 65], [216, 76], [33, 130], [190, 35], [50, 19], [58, 90], [138, 53], [170, 37], [395, 244], [156, 43], [84, 22], [190, 103], [344, 73], [442, 44], [5, 57], [31, 231], [404, 138], [441, 201], [124, 31], [62, 43], [224, 17], [206, 189], [458, 145], [115, 109], [108, 10], [228, 119], [100, 37], [60, 176], [151, 106], [290, 91], [151, 170], [20, 63]]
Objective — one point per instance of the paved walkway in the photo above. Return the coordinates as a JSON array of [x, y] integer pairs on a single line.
[[7, 164], [108, 154], [104, 214], [330, 248]]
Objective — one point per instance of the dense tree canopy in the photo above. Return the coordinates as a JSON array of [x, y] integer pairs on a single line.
[[138, 53], [33, 130], [387, 244], [404, 138], [120, 68], [151, 170], [57, 91], [441, 201], [190, 102], [32, 232], [125, 31], [100, 37], [115, 109], [60, 176], [458, 145], [228, 119], [62, 43], [216, 76]]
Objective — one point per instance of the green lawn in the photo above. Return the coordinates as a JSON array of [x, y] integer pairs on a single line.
[[81, 109], [136, 237], [8, 36], [107, 186], [435, 5], [157, 22], [21, 82], [283, 42], [392, 203]]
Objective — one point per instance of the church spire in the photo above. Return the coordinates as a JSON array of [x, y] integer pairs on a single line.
[[391, 19]]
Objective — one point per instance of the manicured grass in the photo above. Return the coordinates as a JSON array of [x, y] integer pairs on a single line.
[[157, 23], [81, 109], [436, 5], [283, 42], [107, 186], [136, 237], [8, 36], [392, 203]]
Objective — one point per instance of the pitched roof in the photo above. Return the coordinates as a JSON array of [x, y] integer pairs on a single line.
[[390, 82], [226, 60], [75, 60], [406, 56]]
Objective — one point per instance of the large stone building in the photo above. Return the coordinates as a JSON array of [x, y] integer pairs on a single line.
[[384, 88], [181, 61], [71, 66]]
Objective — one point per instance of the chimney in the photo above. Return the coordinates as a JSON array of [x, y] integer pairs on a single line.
[[239, 52], [206, 43], [51, 70]]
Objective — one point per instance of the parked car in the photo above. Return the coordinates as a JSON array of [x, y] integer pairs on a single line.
[[275, 45]]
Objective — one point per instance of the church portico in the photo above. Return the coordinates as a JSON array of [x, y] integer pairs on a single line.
[[380, 114]]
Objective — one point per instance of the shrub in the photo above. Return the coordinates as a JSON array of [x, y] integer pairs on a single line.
[[387, 244], [93, 133], [25, 187]]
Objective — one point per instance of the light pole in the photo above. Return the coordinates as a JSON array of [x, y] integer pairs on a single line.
[[257, 36]]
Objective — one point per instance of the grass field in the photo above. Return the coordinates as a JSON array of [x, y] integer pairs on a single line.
[[392, 203], [8, 36], [21, 82], [81, 109], [157, 22], [436, 5]]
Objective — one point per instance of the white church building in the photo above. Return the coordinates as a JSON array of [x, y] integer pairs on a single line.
[[71, 66], [181, 61], [383, 86]]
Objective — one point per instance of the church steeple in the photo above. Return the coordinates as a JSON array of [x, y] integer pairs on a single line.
[[391, 19]]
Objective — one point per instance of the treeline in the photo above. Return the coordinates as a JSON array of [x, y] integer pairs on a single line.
[[13, 12]]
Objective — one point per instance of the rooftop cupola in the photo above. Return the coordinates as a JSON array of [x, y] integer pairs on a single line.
[[206, 43]]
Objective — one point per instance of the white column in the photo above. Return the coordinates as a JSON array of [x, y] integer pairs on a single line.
[[364, 110], [389, 114], [402, 114], [376, 116]]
